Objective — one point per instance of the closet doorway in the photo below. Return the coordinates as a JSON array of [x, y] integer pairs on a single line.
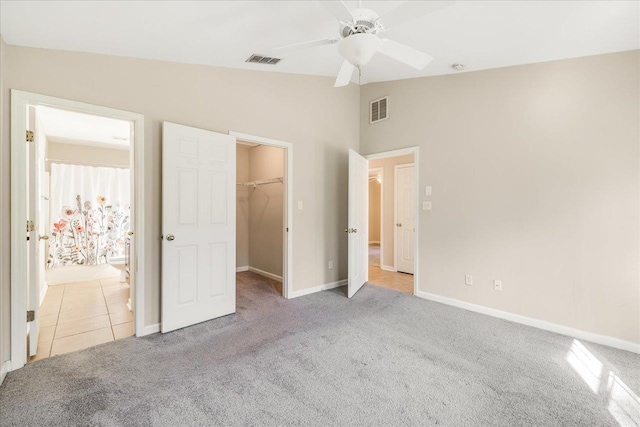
[[263, 210]]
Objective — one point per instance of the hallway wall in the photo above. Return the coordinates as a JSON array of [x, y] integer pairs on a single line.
[[374, 211]]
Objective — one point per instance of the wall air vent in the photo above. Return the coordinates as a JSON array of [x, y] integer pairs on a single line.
[[379, 110], [259, 59]]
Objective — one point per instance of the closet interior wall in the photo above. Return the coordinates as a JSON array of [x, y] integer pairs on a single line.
[[260, 210]]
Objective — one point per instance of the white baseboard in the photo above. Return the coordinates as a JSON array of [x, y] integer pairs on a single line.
[[4, 368], [265, 274], [374, 242], [387, 268], [152, 329], [315, 289], [241, 269], [536, 323], [148, 330]]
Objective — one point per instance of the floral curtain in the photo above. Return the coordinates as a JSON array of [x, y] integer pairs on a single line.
[[89, 214]]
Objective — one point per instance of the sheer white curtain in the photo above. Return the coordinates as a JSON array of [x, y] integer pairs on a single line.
[[89, 210]]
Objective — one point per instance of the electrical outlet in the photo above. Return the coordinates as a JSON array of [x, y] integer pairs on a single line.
[[330, 265], [468, 279], [426, 206], [497, 285]]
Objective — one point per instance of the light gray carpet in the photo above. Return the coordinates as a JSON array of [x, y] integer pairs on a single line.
[[381, 358]]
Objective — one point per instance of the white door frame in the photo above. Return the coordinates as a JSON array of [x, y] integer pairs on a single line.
[[396, 153], [395, 212], [380, 171], [19, 102], [287, 271]]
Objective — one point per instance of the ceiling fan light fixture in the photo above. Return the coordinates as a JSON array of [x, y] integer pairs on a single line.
[[358, 49]]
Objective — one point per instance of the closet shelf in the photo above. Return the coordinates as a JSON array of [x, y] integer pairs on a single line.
[[255, 184]]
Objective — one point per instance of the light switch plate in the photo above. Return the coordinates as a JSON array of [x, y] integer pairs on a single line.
[[426, 206], [427, 190], [300, 206]]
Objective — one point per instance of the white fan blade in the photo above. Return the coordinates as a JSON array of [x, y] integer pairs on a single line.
[[405, 54], [344, 76], [339, 10], [411, 10], [304, 45]]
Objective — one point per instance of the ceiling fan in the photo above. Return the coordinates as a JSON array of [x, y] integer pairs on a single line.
[[359, 35]]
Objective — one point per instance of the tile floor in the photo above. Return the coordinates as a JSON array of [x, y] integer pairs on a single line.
[[389, 279], [74, 316]]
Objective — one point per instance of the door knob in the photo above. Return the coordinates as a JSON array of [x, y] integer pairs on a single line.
[[346, 230], [130, 233], [45, 237], [399, 224], [170, 237]]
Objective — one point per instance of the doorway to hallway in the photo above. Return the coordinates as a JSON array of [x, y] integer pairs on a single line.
[[391, 211]]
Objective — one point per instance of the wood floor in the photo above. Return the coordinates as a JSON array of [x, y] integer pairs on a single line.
[[389, 279], [75, 316]]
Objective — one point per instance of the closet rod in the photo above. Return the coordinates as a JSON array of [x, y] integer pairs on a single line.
[[71, 162], [261, 182]]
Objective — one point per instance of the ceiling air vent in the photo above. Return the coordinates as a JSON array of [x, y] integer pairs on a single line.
[[379, 110], [258, 59]]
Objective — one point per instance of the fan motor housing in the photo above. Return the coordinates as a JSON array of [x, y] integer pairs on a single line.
[[364, 22]]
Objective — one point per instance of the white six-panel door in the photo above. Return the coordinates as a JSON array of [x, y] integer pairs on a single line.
[[358, 227], [198, 225], [405, 222]]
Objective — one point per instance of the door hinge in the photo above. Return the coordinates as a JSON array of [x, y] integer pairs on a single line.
[[29, 136], [30, 226], [31, 315], [287, 229]]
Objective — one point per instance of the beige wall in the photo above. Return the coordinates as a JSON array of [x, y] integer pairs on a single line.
[[266, 210], [374, 211], [242, 207], [388, 204], [86, 155], [321, 122], [534, 169], [535, 175], [5, 197]]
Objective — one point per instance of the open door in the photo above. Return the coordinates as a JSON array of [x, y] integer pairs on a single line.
[[198, 225], [358, 228], [36, 236], [405, 222]]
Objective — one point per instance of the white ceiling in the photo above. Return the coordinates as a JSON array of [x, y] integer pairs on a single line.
[[480, 35], [69, 127]]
